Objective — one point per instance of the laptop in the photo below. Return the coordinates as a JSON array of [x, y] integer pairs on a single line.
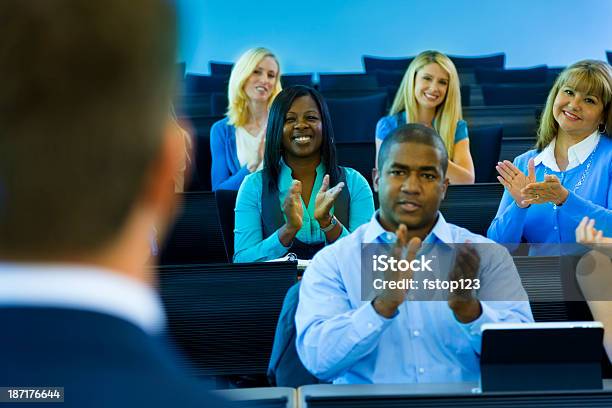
[[541, 356]]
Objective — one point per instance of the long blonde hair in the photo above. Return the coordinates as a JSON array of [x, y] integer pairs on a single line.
[[447, 113], [238, 109], [590, 77]]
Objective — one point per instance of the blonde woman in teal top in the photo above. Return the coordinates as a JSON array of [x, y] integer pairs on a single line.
[[430, 94]]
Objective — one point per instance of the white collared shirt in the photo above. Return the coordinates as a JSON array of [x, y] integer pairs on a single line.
[[81, 287], [576, 154]]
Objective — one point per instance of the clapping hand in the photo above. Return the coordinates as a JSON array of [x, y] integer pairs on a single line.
[[588, 235], [514, 180], [325, 199], [390, 299], [548, 191], [292, 206], [465, 271]]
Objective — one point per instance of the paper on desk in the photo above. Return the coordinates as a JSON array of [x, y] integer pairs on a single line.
[[301, 263]]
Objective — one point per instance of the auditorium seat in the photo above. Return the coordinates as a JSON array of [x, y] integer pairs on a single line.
[[261, 397], [296, 79], [194, 104], [472, 206], [537, 74], [553, 72], [195, 84], [466, 95], [354, 119], [517, 121], [359, 156], [220, 68], [226, 204], [391, 79], [218, 103], [347, 82], [195, 236], [200, 127], [463, 63], [541, 278], [372, 64], [485, 145], [520, 124], [450, 395], [223, 316], [513, 147], [515, 94]]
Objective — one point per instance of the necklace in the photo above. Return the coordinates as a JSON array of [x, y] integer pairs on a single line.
[[582, 177]]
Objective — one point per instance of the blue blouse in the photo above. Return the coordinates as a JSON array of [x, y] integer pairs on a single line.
[[545, 223], [226, 172], [388, 124], [249, 244]]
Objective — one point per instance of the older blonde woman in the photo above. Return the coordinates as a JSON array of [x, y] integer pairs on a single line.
[[568, 175], [429, 94], [237, 141]]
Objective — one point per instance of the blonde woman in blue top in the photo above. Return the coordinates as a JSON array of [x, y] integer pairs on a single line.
[[301, 200], [237, 141], [569, 174], [429, 94]]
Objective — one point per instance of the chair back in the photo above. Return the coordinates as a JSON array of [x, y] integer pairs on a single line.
[[472, 206], [195, 84], [372, 64], [195, 237], [515, 94], [485, 145], [223, 316], [296, 79], [359, 156], [354, 119], [220, 68], [536, 75], [226, 204]]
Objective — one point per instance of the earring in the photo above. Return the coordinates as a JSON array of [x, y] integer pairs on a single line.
[[599, 128]]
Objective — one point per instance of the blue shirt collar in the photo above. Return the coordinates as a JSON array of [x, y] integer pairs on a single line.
[[285, 172], [375, 232]]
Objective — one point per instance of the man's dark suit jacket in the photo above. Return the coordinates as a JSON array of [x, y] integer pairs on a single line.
[[100, 360]]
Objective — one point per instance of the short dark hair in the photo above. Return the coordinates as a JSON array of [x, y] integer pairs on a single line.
[[414, 133], [274, 134], [84, 101]]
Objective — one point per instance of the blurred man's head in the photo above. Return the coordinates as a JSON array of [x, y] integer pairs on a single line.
[[411, 178], [86, 87]]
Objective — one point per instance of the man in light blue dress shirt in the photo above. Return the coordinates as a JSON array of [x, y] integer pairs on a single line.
[[342, 337]]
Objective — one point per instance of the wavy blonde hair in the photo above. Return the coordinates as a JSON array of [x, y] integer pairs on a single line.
[[590, 77], [238, 109], [447, 113]]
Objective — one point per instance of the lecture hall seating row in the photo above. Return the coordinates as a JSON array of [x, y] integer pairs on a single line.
[[518, 129], [223, 316], [203, 230], [415, 395]]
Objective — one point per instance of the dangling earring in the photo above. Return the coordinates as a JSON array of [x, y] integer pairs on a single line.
[[599, 128]]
